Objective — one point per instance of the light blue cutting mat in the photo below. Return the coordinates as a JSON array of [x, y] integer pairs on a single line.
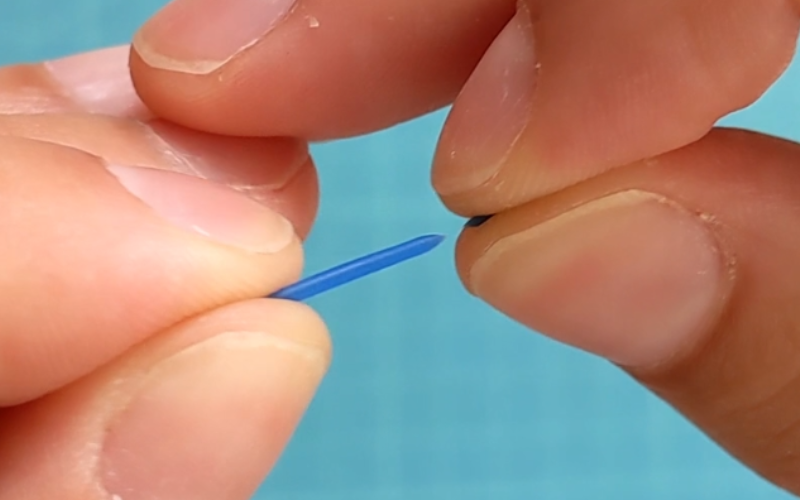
[[432, 395]]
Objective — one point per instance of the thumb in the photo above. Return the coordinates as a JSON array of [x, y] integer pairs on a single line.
[[683, 270], [624, 227], [200, 411], [99, 256]]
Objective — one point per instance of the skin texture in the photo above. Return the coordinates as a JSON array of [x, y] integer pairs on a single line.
[[423, 50], [152, 289], [585, 127]]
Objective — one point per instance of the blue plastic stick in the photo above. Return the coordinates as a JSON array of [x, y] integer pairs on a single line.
[[358, 268]]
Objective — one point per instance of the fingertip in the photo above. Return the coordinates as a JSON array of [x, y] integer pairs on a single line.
[[599, 274], [220, 393], [122, 263], [226, 402], [715, 237], [605, 85], [306, 75]]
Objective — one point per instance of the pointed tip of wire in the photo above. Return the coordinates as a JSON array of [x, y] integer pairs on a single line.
[[434, 238], [359, 268]]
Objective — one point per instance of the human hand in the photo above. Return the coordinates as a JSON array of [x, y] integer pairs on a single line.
[[136, 361], [624, 224]]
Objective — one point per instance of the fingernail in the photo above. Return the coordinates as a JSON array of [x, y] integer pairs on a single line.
[[99, 82], [200, 36], [632, 277], [491, 112], [207, 422], [207, 208], [237, 162]]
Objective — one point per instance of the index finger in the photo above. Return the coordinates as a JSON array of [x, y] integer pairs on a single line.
[[314, 69]]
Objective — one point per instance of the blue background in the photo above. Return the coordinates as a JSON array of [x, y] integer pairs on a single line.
[[432, 394]]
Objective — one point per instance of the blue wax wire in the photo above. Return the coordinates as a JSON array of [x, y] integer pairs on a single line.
[[358, 268]]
